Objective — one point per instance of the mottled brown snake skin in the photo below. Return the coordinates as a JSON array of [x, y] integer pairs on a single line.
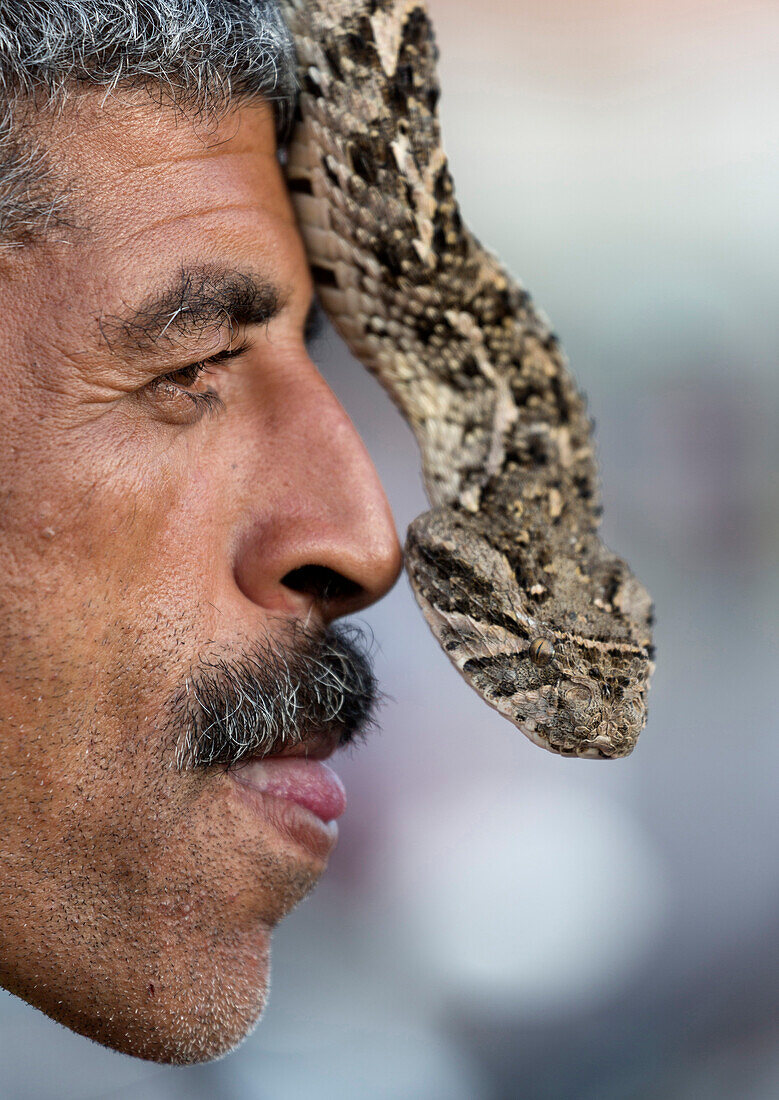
[[544, 622]]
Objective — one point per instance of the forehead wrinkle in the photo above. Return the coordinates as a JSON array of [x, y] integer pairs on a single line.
[[197, 299], [120, 238], [163, 164]]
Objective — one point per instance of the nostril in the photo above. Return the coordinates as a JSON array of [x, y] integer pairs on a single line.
[[322, 584]]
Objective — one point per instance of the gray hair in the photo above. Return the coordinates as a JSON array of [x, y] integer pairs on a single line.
[[312, 688], [197, 56]]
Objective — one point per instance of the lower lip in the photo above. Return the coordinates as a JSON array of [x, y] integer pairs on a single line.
[[309, 783]]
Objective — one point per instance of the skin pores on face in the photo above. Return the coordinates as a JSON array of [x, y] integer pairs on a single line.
[[142, 527]]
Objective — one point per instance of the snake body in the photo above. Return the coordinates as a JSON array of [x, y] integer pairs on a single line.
[[547, 625]]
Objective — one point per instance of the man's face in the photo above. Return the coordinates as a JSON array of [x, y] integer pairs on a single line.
[[150, 530]]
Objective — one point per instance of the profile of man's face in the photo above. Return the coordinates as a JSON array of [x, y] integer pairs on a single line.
[[175, 543]]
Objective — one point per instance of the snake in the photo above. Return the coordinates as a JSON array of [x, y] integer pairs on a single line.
[[549, 626]]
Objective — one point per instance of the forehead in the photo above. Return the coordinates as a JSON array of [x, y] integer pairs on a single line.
[[150, 188], [119, 149]]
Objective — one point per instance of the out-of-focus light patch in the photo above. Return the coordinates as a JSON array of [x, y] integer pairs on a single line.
[[42, 1060], [358, 1063], [533, 905]]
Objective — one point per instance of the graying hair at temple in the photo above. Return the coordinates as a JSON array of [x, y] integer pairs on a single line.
[[197, 57]]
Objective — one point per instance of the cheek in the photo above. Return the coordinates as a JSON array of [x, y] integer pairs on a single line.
[[89, 529], [99, 600]]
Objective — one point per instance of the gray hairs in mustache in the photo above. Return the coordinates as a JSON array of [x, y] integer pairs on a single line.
[[280, 694]]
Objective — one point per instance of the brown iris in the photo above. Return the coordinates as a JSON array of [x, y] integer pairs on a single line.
[[541, 652]]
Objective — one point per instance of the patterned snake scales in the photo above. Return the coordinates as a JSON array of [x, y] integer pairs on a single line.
[[544, 622]]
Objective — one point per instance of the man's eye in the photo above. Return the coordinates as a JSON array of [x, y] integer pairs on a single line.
[[182, 396], [187, 376]]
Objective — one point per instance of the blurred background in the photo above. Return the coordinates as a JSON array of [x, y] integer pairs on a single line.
[[498, 923]]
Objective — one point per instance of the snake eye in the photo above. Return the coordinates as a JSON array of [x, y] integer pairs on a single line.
[[541, 652]]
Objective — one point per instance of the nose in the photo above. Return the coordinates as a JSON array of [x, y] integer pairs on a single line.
[[318, 529]]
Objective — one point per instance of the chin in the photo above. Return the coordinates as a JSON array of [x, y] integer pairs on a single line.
[[204, 1033], [192, 1042], [199, 1014]]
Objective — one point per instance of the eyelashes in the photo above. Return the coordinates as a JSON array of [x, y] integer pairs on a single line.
[[175, 388], [180, 397]]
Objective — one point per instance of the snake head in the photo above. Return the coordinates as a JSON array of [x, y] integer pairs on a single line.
[[571, 671]]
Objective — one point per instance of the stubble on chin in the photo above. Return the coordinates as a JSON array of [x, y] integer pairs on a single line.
[[181, 974]]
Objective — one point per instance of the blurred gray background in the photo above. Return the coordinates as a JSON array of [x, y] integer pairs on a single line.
[[497, 922]]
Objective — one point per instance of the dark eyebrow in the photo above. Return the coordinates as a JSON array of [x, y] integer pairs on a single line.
[[197, 300]]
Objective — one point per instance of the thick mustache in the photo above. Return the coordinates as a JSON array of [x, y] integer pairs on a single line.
[[312, 686]]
